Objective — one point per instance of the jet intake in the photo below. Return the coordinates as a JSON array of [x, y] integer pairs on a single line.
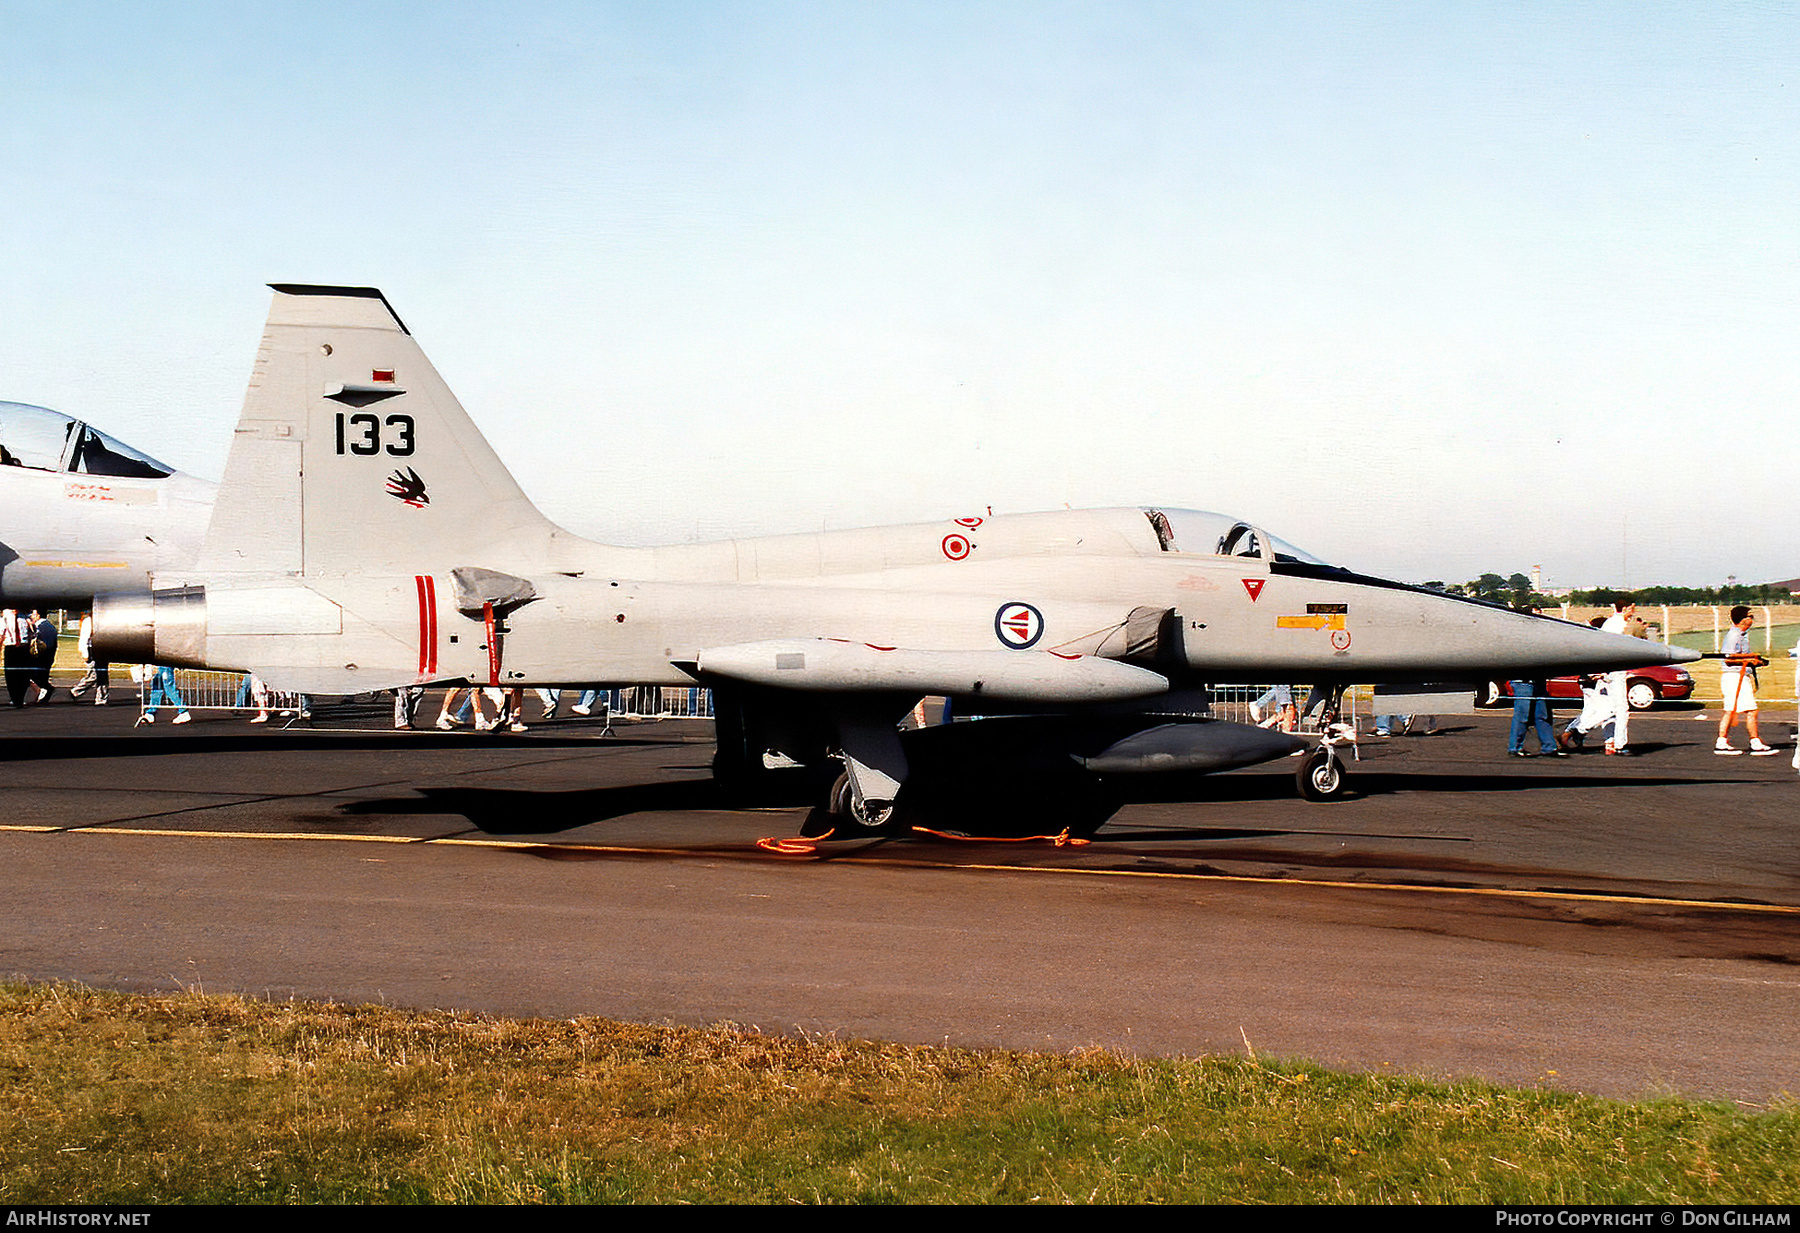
[[152, 627]]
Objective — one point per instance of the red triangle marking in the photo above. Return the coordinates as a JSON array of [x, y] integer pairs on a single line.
[[1254, 586]]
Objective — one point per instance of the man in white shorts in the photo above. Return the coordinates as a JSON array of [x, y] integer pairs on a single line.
[[1618, 684], [1739, 683]]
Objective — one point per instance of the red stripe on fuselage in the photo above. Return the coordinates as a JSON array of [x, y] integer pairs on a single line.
[[431, 608], [427, 588], [424, 622]]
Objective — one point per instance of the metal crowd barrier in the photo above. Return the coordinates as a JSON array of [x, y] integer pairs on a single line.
[[1237, 704], [198, 689], [659, 702], [206, 690]]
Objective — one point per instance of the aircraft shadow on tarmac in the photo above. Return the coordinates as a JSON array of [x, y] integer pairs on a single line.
[[983, 808], [516, 811]]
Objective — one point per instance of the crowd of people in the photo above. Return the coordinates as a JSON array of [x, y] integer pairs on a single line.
[[1606, 701]]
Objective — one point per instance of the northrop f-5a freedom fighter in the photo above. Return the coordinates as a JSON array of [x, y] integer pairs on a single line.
[[366, 537]]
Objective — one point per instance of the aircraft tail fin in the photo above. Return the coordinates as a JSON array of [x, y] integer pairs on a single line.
[[352, 454]]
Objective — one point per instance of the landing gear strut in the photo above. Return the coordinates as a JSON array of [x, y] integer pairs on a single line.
[[1322, 776]]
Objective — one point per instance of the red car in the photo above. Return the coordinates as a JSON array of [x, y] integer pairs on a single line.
[[1647, 687]]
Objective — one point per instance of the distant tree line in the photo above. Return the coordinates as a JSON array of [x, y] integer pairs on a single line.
[[1515, 592], [1766, 593]]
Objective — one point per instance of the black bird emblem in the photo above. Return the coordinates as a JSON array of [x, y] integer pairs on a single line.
[[408, 487]]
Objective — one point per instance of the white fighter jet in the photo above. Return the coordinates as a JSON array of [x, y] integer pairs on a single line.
[[366, 537], [82, 514]]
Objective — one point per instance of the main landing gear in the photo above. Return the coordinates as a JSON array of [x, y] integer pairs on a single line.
[[843, 816], [861, 800], [849, 814]]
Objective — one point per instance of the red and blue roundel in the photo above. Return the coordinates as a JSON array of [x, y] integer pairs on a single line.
[[1018, 625]]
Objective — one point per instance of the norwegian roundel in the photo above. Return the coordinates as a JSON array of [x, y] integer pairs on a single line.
[[1018, 625], [956, 547]]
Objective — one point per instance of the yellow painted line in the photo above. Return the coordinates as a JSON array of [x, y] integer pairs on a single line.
[[564, 847], [158, 832], [1167, 875], [1494, 891], [170, 832]]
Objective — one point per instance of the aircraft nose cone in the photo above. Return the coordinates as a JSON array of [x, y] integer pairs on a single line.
[[1620, 651], [1648, 652], [1532, 646]]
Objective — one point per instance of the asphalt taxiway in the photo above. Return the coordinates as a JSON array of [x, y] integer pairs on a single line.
[[1613, 925]]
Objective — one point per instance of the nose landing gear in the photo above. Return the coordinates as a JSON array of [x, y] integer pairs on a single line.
[[1321, 776]]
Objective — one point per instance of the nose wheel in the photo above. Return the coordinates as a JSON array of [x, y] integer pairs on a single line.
[[1322, 776]]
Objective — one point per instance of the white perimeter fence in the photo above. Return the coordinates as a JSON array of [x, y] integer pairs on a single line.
[[657, 702], [179, 690], [205, 690]]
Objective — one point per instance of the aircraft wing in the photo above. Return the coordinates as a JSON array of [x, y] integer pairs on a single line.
[[826, 665]]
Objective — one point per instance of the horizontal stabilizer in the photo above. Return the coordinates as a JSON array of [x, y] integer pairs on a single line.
[[830, 666], [477, 587]]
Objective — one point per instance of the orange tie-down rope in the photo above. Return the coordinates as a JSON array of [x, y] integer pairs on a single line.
[[801, 846]]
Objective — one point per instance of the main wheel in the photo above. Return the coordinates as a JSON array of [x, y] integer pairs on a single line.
[[840, 803], [837, 801], [1642, 695], [1321, 776]]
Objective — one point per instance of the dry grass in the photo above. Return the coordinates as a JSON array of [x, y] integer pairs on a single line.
[[118, 1099]]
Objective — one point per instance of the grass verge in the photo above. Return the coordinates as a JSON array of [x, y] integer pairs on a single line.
[[110, 1098]]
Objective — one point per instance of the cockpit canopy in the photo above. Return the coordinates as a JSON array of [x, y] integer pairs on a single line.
[[40, 439], [1202, 533]]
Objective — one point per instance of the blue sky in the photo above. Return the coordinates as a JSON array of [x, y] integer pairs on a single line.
[[1427, 289]]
